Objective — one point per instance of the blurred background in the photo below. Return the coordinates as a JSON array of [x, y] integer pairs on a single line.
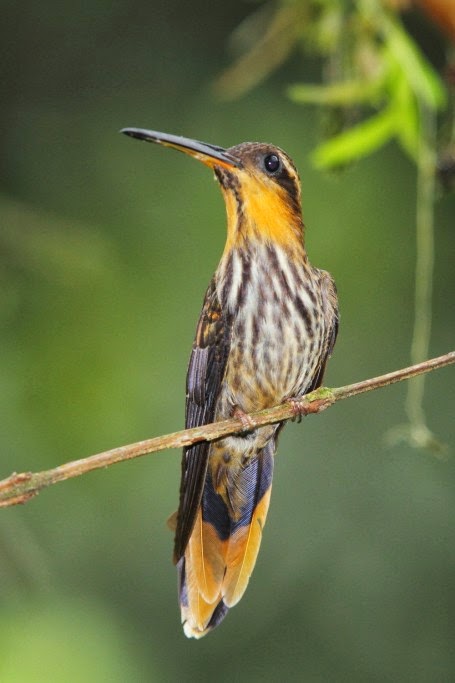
[[106, 249]]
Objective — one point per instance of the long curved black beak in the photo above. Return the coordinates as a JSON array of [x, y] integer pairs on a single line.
[[211, 155]]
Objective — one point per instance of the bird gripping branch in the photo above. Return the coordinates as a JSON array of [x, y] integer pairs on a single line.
[[267, 327]]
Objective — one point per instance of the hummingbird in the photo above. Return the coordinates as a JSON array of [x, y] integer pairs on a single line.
[[268, 325]]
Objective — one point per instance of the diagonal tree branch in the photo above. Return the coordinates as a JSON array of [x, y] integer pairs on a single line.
[[19, 488]]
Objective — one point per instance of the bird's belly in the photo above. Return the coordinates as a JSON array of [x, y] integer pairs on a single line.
[[277, 331], [258, 376], [263, 372]]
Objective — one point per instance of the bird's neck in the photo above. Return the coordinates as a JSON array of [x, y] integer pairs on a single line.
[[263, 218]]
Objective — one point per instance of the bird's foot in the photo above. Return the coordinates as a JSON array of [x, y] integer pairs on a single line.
[[298, 410], [314, 402], [247, 422]]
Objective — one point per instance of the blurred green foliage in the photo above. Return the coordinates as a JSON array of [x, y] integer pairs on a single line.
[[374, 71], [384, 69], [106, 249]]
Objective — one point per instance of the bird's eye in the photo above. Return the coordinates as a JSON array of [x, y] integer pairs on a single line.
[[272, 163]]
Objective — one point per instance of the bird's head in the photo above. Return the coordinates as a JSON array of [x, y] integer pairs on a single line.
[[259, 181]]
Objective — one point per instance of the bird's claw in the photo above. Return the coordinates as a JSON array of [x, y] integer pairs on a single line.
[[298, 409], [247, 422]]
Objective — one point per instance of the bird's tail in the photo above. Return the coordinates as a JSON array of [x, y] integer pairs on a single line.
[[223, 547]]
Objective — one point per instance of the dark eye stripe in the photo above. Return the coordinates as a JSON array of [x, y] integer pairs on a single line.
[[289, 182]]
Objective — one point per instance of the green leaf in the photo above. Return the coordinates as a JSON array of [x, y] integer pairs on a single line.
[[356, 142], [421, 76], [347, 93]]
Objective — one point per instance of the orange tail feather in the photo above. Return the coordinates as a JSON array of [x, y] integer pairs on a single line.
[[223, 547]]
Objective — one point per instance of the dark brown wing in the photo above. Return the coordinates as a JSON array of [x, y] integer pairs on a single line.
[[331, 315], [203, 382]]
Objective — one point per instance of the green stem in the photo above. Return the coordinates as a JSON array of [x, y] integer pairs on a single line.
[[426, 164]]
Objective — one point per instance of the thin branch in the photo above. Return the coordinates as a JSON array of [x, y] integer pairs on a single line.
[[19, 488]]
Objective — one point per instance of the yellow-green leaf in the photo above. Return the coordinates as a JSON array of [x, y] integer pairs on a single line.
[[346, 93], [356, 142], [420, 74]]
